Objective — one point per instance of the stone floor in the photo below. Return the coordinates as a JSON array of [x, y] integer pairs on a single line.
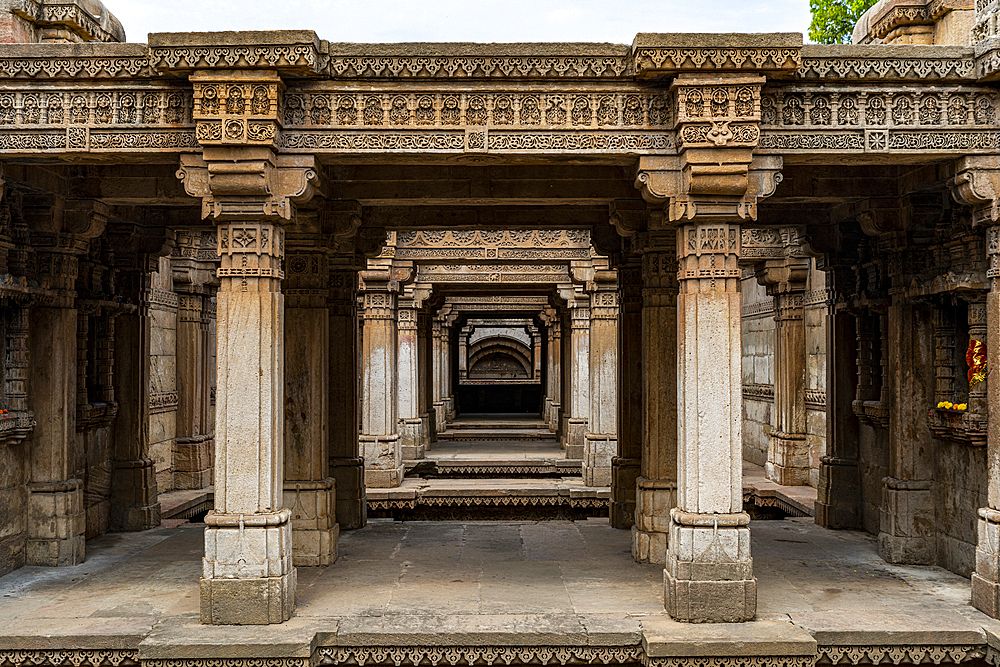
[[535, 583]]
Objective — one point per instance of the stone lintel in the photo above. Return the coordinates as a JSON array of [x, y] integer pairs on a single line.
[[298, 53], [668, 54]]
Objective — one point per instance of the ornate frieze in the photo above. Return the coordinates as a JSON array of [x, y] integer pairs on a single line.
[[513, 244], [481, 67], [666, 54], [239, 108], [879, 119], [493, 273], [922, 63]]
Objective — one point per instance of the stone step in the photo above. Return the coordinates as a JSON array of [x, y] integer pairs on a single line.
[[493, 467], [496, 434]]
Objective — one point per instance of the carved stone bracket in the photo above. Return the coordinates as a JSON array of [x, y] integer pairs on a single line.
[[248, 182], [977, 184]]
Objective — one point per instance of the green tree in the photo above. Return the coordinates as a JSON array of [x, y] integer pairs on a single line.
[[833, 20]]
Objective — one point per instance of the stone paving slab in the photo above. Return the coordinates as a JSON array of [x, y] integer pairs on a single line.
[[664, 637], [554, 583]]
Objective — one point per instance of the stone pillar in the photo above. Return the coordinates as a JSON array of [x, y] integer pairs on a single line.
[[579, 412], [601, 437], [56, 518], [424, 379], [536, 353], [408, 379], [346, 465], [788, 450], [447, 395], [133, 476], [248, 538], [547, 389], [309, 491], [906, 531], [463, 352], [838, 502], [379, 429], [556, 375], [709, 572], [625, 468], [193, 454], [656, 487], [437, 372]]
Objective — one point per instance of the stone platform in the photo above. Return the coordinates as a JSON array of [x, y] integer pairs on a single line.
[[453, 593]]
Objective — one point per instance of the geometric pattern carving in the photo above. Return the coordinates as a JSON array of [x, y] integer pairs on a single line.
[[907, 653], [512, 244]]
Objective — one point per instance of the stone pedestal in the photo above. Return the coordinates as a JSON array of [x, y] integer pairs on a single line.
[[624, 472], [654, 499], [315, 531], [379, 442], [56, 524], [133, 486], [247, 573], [248, 576], [709, 572], [352, 503]]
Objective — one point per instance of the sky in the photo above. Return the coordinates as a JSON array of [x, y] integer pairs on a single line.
[[467, 21]]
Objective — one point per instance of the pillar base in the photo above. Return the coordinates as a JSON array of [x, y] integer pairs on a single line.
[[411, 439], [193, 467], [314, 524], [554, 417], [383, 460], [788, 459], [839, 494], [352, 505], [449, 409], [598, 450], [906, 530], [57, 524], [709, 573], [624, 473], [654, 500], [247, 573], [576, 430], [425, 430], [133, 496], [439, 417], [986, 578]]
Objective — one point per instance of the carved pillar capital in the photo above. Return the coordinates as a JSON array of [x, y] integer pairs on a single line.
[[240, 183]]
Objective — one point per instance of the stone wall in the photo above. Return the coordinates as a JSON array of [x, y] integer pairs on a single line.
[[163, 375], [758, 370]]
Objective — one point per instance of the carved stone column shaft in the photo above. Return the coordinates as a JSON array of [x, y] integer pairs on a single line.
[[379, 429], [408, 378], [709, 572], [579, 412], [656, 488]]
